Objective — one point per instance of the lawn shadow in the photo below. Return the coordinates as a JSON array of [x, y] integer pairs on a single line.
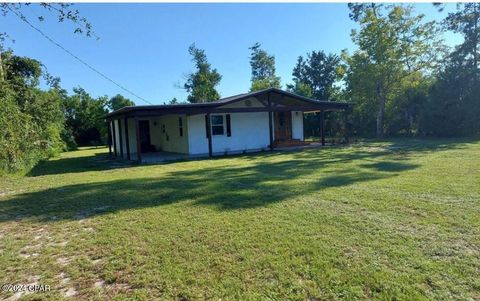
[[102, 161], [99, 161], [259, 182], [389, 166]]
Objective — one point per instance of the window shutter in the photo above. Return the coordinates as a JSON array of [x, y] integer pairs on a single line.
[[229, 128], [206, 125]]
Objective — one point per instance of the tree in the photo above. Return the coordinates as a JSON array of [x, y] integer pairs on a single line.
[[85, 117], [118, 101], [466, 21], [61, 11], [31, 120], [394, 46], [452, 107], [315, 76], [263, 69], [201, 84]]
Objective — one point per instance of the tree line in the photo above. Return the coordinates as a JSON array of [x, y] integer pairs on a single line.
[[402, 79], [37, 123]]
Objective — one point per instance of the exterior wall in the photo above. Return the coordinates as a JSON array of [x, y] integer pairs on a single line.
[[170, 140], [124, 140], [297, 125], [117, 137], [249, 132], [132, 137], [197, 136], [247, 103]]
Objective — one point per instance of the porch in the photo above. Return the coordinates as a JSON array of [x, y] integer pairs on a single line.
[[258, 121]]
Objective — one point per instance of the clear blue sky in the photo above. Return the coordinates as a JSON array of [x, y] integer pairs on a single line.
[[144, 46]]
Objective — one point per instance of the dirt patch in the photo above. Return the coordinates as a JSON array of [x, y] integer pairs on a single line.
[[68, 292], [63, 261]]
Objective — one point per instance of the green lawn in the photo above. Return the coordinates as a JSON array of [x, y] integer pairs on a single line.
[[398, 219]]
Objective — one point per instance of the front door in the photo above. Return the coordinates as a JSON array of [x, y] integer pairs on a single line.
[[283, 125], [144, 129]]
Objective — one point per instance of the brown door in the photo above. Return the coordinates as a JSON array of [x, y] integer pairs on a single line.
[[283, 125]]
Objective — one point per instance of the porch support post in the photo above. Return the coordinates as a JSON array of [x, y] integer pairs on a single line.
[[270, 127], [120, 138], [139, 146], [322, 126], [109, 128], [127, 142], [209, 135], [114, 138]]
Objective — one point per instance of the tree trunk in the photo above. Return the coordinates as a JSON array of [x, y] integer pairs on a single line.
[[380, 114], [381, 111]]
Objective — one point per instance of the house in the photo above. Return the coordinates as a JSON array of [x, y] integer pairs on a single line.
[[247, 122]]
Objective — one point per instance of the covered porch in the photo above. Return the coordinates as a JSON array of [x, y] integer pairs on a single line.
[[263, 120]]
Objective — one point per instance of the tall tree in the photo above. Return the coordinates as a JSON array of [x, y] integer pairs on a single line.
[[31, 120], [118, 101], [201, 84], [85, 117], [466, 21], [263, 69], [394, 45], [453, 103], [315, 76]]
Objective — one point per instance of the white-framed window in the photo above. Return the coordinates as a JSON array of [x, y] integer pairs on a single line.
[[218, 124]]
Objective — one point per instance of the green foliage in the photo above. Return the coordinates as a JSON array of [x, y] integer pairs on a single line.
[[118, 101], [31, 120], [263, 69], [466, 21], [395, 48], [316, 75], [61, 11], [201, 84], [84, 117]]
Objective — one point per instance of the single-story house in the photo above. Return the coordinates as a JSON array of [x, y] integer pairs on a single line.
[[261, 120]]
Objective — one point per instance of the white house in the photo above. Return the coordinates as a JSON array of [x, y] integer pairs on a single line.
[[247, 122]]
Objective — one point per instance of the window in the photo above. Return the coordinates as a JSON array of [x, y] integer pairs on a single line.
[[180, 126], [217, 125]]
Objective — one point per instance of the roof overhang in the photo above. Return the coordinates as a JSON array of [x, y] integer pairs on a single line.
[[273, 100]]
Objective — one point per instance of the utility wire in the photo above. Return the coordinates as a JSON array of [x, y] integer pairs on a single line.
[[76, 57]]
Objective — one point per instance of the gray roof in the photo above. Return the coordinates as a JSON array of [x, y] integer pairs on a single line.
[[227, 100]]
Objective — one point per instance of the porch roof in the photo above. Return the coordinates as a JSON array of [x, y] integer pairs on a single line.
[[273, 99]]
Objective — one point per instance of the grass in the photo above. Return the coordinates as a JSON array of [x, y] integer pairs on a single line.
[[396, 219]]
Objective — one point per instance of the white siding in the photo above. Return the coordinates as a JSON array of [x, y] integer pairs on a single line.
[[249, 132], [197, 136], [297, 125], [117, 137], [132, 137], [122, 133]]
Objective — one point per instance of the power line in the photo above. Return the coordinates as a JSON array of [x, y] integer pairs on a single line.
[[76, 57]]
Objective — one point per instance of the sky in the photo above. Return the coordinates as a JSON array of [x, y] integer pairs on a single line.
[[144, 47]]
